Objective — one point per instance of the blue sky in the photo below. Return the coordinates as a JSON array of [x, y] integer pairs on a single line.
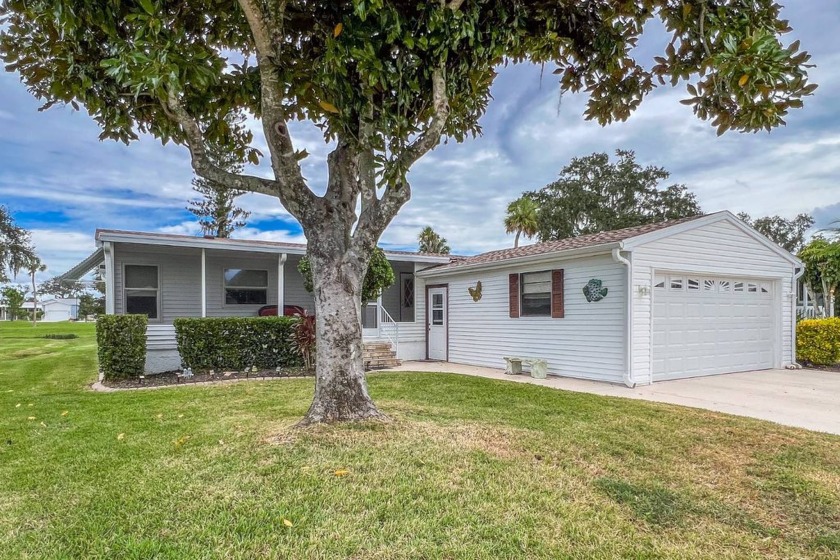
[[62, 183]]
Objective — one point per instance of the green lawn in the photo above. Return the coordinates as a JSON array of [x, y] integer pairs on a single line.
[[469, 468]]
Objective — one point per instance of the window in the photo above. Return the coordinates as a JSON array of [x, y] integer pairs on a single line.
[[659, 282], [724, 285], [536, 294], [676, 283], [709, 285], [693, 284], [437, 309], [141, 290], [246, 287], [739, 286]]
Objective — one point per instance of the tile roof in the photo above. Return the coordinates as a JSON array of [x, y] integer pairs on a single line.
[[548, 247]]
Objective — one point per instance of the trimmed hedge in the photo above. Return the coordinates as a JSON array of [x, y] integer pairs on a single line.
[[818, 341], [237, 343], [121, 345]]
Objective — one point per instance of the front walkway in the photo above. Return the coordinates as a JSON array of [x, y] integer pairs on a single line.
[[802, 398]]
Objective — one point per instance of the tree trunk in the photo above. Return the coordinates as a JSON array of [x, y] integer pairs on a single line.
[[34, 302], [338, 269], [516, 240]]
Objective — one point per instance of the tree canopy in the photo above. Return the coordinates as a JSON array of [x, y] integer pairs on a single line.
[[821, 257], [16, 250], [431, 241], [789, 234], [594, 194]]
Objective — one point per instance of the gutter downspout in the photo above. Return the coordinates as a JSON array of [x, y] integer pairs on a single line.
[[797, 274], [628, 354]]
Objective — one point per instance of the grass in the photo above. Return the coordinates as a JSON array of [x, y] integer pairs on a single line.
[[469, 468]]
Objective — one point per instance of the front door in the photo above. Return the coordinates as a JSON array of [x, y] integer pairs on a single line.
[[436, 321]]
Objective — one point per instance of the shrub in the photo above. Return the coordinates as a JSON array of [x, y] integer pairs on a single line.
[[818, 341], [121, 341], [61, 336], [236, 343]]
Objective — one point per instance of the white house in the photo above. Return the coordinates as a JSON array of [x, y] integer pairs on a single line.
[[692, 297], [60, 309]]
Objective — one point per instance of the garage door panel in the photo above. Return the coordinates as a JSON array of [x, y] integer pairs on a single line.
[[727, 325]]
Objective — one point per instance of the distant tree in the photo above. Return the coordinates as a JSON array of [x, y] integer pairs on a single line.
[[822, 270], [432, 242], [90, 304], [594, 195], [378, 278], [788, 234], [216, 210], [34, 266], [59, 288], [14, 296], [522, 218], [16, 249]]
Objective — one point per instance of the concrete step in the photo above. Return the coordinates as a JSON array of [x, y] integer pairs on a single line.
[[379, 355]]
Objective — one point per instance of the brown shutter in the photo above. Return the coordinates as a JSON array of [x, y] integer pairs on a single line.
[[557, 310], [513, 295]]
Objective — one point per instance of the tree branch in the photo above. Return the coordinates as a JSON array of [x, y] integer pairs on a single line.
[[430, 137], [202, 163], [293, 191]]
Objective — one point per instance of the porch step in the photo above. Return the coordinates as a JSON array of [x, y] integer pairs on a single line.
[[379, 355]]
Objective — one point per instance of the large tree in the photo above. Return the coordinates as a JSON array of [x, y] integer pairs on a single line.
[[14, 297], [821, 257], [594, 194], [789, 234], [216, 209], [430, 241], [384, 81], [59, 288], [16, 250], [522, 218]]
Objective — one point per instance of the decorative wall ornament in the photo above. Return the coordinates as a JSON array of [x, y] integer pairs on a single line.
[[594, 290], [475, 292]]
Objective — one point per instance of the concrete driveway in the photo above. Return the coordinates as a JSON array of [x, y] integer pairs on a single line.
[[802, 398]]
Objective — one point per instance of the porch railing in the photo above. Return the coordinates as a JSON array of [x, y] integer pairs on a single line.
[[384, 324]]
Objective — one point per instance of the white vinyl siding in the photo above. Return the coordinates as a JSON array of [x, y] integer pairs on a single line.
[[588, 343], [718, 249]]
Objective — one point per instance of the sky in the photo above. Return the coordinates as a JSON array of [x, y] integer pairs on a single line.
[[62, 183]]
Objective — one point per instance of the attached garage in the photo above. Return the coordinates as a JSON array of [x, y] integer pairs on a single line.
[[699, 296], [704, 325]]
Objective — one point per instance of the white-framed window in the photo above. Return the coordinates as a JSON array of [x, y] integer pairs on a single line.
[[676, 283], [245, 286], [536, 294], [142, 290], [437, 309]]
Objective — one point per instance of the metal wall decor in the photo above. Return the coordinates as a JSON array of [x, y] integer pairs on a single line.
[[594, 290], [475, 292]]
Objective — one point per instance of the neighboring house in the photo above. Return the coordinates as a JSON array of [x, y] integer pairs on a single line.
[[691, 297], [169, 276], [60, 309]]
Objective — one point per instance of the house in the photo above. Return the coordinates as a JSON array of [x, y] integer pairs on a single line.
[[60, 309], [692, 297], [169, 276], [26, 310]]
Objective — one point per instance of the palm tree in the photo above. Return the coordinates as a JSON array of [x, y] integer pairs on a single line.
[[35, 265], [432, 242], [522, 218]]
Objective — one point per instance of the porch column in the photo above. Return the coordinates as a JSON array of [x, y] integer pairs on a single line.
[[110, 291], [203, 284], [281, 283]]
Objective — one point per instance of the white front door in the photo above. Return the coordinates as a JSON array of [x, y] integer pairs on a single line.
[[705, 325], [436, 320]]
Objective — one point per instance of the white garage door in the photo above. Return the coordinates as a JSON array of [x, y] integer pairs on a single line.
[[704, 325]]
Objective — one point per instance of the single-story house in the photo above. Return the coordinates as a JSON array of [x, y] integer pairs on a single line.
[[692, 297], [60, 309], [168, 276], [684, 298], [26, 308]]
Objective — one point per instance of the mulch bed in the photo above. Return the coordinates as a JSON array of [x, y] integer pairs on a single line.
[[171, 378]]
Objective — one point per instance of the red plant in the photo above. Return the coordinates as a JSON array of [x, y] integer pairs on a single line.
[[304, 339]]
